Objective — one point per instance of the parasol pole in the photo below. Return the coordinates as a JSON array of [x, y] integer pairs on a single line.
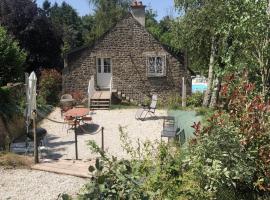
[[32, 110]]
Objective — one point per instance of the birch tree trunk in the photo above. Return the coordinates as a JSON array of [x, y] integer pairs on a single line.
[[207, 95], [215, 93]]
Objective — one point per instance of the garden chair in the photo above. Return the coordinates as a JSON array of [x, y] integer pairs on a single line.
[[169, 129], [66, 103], [71, 122], [142, 113]]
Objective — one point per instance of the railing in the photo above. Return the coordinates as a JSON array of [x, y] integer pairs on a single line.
[[111, 87], [91, 89], [129, 90]]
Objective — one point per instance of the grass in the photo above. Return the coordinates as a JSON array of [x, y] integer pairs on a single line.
[[11, 160], [122, 106]]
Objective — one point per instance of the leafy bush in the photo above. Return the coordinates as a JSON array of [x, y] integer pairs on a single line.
[[155, 171], [50, 86], [195, 100], [11, 59], [232, 153], [8, 106]]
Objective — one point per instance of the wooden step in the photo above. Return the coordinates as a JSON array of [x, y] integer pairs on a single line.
[[100, 102], [100, 107]]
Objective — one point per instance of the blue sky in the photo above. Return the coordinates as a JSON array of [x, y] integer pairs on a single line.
[[162, 7]]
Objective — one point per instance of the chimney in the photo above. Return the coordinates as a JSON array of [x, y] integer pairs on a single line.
[[138, 11]]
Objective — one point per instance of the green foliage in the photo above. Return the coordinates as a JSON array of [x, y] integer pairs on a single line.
[[11, 59], [107, 13], [161, 30], [172, 102], [34, 32], [68, 24], [230, 153], [195, 100], [50, 86], [154, 171], [8, 105]]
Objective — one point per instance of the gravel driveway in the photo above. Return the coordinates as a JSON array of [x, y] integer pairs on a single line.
[[61, 143], [23, 184]]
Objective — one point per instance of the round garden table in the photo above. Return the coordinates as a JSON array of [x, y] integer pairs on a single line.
[[77, 114]]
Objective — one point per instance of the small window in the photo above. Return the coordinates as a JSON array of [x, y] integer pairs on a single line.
[[107, 65], [156, 66]]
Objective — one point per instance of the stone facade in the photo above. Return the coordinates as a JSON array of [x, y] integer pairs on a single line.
[[127, 44]]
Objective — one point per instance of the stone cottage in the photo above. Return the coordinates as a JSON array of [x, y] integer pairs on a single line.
[[127, 61]]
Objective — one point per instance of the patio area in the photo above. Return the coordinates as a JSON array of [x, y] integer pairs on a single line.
[[61, 144]]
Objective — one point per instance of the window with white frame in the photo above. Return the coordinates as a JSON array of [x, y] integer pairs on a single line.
[[156, 65], [104, 65]]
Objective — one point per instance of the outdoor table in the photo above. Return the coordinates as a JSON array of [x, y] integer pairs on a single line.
[[76, 113]]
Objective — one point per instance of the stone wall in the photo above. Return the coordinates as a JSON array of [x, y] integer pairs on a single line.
[[126, 44]]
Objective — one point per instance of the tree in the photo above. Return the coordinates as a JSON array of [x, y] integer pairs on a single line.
[[253, 33], [11, 59], [235, 34], [68, 24], [88, 23], [34, 32], [108, 13]]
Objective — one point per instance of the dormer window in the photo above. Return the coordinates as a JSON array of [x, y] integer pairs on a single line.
[[156, 65]]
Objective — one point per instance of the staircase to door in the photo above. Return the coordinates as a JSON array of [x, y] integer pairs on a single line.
[[101, 99]]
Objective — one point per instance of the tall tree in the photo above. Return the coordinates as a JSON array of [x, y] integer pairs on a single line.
[[241, 32], [30, 26], [68, 23], [209, 35], [107, 13], [11, 59]]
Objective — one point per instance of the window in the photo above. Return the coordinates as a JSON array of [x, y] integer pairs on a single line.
[[99, 65], [107, 65], [156, 66], [104, 65]]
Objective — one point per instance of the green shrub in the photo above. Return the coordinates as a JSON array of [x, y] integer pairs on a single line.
[[8, 105], [12, 59], [231, 155], [50, 86], [195, 100], [154, 171]]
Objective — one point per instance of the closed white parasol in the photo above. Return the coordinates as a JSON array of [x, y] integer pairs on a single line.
[[31, 95]]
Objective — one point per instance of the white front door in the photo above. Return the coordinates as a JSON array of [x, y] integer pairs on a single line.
[[104, 72]]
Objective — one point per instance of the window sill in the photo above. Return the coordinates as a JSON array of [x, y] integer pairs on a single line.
[[156, 76]]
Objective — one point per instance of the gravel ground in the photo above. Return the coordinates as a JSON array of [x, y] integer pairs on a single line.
[[61, 144], [23, 184]]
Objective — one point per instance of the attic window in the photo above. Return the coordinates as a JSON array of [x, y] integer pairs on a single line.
[[156, 65]]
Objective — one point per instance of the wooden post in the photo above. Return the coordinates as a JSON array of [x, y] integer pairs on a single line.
[[184, 92], [76, 141], [35, 138], [102, 138]]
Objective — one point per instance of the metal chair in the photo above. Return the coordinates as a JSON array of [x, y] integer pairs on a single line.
[[66, 103], [169, 128], [147, 109]]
